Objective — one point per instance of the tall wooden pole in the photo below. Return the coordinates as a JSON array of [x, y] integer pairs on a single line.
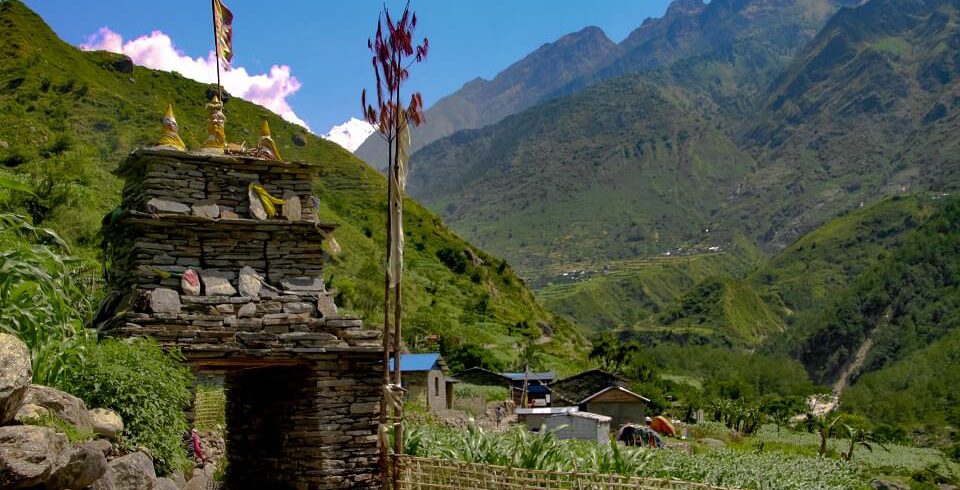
[[216, 47], [397, 324]]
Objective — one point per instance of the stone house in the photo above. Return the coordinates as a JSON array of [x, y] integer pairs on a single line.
[[597, 391], [425, 376]]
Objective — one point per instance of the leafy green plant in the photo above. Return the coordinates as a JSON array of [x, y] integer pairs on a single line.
[[147, 387], [41, 300]]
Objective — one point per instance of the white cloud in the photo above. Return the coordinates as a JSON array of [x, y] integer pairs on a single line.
[[350, 134], [157, 51]]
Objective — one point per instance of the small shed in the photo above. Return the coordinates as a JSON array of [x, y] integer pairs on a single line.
[[568, 422], [425, 375]]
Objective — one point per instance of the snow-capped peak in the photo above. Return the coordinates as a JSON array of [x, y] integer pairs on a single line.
[[350, 134]]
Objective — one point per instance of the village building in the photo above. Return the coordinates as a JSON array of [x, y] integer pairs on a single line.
[[538, 392], [599, 392], [567, 423], [425, 376]]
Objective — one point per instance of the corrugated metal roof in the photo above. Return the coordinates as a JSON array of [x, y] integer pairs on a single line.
[[545, 410], [548, 376], [418, 362], [619, 388]]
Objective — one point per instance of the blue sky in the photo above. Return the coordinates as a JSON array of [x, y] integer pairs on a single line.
[[325, 43]]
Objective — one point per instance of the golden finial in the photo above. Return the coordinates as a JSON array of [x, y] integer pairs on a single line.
[[170, 139], [266, 147], [216, 138]]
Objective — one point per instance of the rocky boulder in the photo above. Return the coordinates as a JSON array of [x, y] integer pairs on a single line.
[[39, 457], [83, 466], [106, 422], [62, 405], [131, 472], [29, 454], [166, 484], [15, 375]]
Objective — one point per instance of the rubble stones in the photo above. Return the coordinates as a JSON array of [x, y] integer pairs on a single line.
[[326, 306], [206, 209], [164, 206], [291, 206], [29, 454], [164, 300], [216, 283], [248, 310], [249, 282], [15, 374], [302, 284], [83, 466], [256, 206]]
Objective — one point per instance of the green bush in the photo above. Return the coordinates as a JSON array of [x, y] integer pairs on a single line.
[[147, 387]]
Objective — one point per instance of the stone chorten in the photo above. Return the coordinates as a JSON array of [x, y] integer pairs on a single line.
[[190, 266]]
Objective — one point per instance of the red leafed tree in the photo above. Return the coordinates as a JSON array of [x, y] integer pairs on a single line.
[[394, 52]]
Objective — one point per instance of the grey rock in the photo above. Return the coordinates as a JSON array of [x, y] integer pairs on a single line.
[[302, 284], [256, 206], [84, 466], [106, 422], [206, 209], [62, 405], [889, 485], [249, 282], [105, 482], [122, 64], [298, 308], [178, 479], [326, 305], [166, 484], [164, 206], [248, 310], [228, 213], [134, 471], [29, 455], [299, 139], [164, 300], [291, 206], [102, 445], [15, 374], [202, 478], [215, 283]]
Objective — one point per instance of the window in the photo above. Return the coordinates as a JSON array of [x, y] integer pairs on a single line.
[[436, 386]]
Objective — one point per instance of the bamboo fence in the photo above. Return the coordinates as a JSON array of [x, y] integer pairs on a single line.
[[438, 474]]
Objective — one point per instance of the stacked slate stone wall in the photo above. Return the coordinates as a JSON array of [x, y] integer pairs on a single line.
[[311, 426], [195, 262]]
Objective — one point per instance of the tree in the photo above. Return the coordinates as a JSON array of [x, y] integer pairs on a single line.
[[393, 53], [860, 437], [823, 426]]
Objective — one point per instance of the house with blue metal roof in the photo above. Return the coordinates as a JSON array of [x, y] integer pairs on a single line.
[[424, 376]]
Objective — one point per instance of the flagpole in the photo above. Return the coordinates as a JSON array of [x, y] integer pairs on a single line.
[[216, 47]]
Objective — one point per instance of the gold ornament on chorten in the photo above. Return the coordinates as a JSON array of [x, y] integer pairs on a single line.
[[266, 147], [216, 141], [170, 139]]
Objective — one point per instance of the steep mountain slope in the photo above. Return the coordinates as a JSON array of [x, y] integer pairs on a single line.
[[68, 117], [559, 182], [764, 34], [481, 102], [864, 111], [904, 302]]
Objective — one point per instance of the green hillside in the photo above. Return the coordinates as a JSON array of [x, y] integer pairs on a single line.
[[67, 118], [558, 185]]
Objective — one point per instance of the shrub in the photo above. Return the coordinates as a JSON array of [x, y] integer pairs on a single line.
[[147, 387]]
